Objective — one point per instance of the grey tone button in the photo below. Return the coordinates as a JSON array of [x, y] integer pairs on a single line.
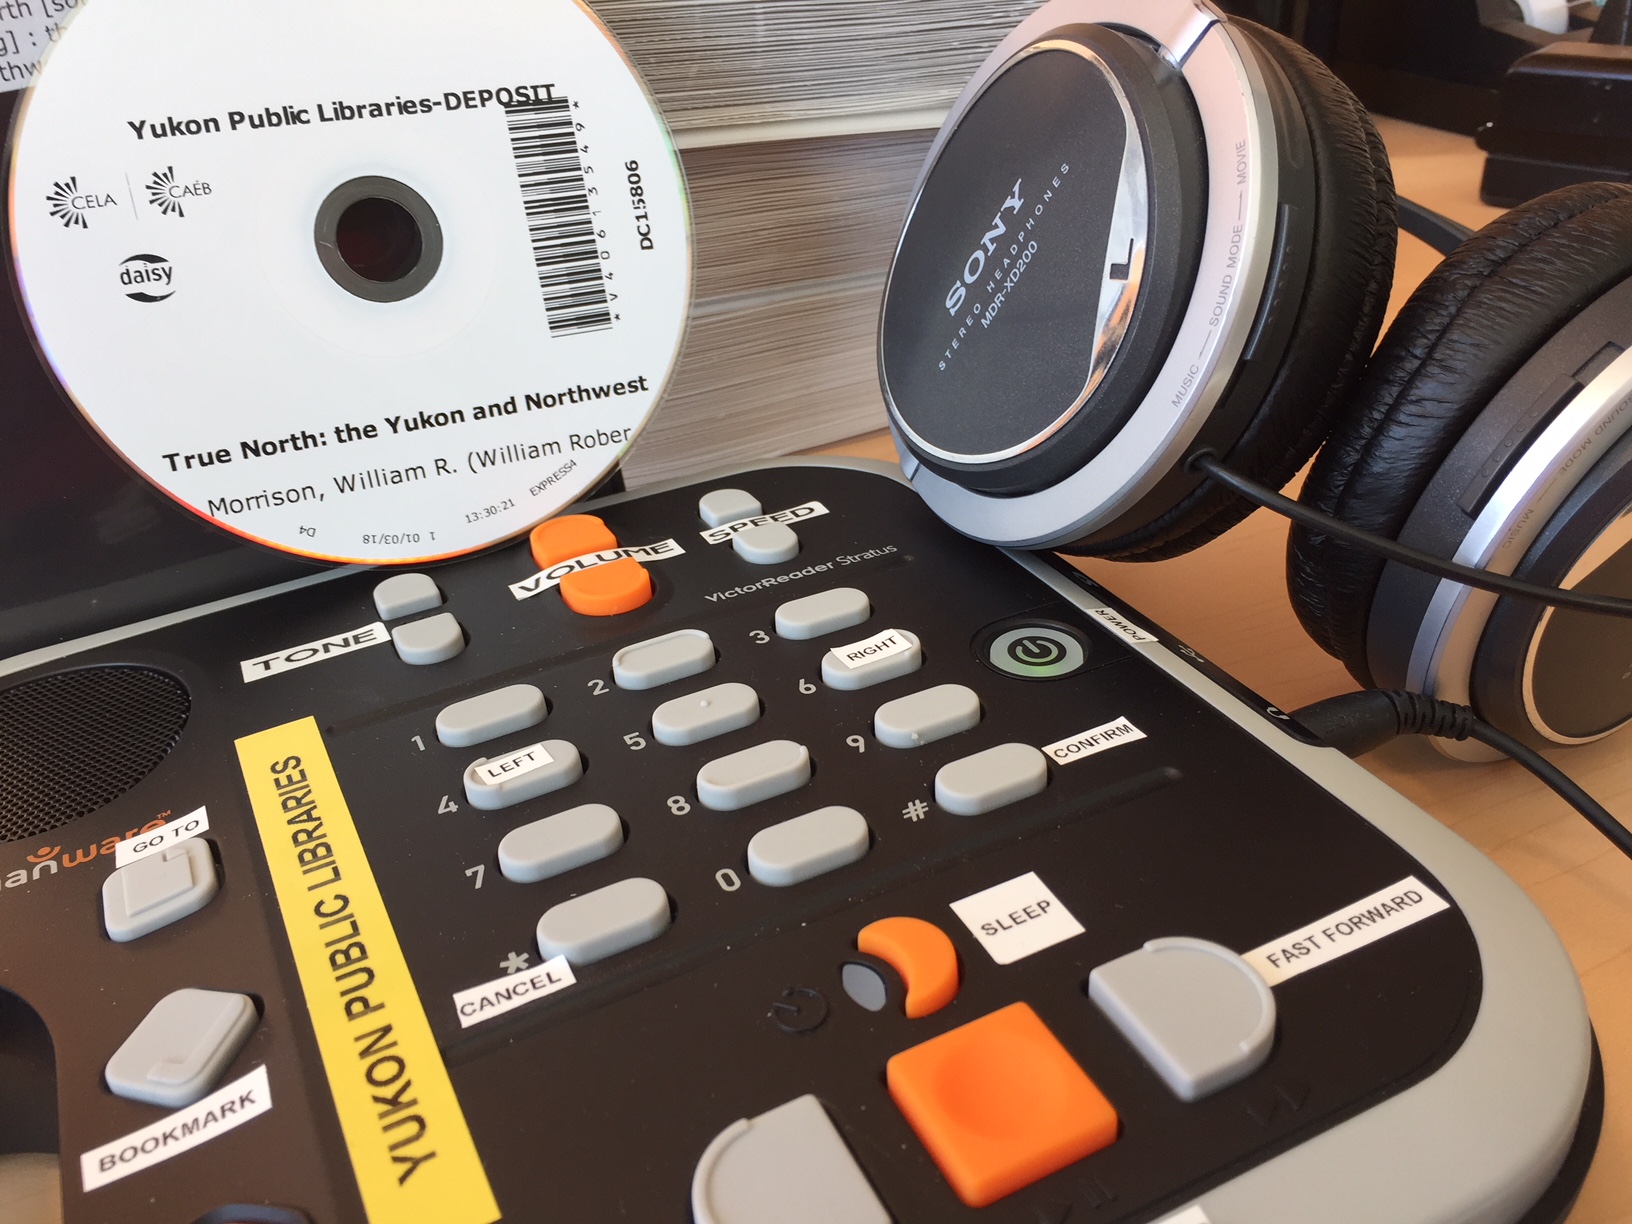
[[660, 660], [922, 718], [787, 1166], [807, 846], [1036, 652], [558, 843], [432, 640], [992, 779], [1199, 1014], [761, 772], [766, 544], [799, 620], [180, 1049], [487, 716], [159, 889], [837, 674], [701, 716], [405, 594], [604, 922], [498, 782], [721, 506]]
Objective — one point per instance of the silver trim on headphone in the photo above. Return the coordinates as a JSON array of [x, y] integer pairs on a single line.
[[1609, 542], [1242, 193], [1443, 651], [1124, 248]]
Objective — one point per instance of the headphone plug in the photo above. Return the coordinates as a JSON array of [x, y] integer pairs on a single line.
[[1355, 723]]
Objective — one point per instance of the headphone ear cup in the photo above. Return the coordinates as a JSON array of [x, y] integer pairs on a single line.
[[1344, 298], [1479, 316]]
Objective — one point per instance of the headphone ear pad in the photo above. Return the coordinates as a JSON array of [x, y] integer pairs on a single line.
[[1479, 316], [1344, 298]]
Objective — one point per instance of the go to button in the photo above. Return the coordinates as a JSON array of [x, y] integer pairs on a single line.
[[1036, 651]]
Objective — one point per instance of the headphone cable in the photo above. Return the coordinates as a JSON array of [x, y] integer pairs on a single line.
[[1355, 723], [1392, 550]]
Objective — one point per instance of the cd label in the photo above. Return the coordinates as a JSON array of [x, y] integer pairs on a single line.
[[354, 307]]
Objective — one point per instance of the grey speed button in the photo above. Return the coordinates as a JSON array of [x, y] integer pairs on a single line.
[[1036, 652]]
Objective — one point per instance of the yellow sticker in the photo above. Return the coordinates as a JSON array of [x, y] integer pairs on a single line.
[[411, 1151]]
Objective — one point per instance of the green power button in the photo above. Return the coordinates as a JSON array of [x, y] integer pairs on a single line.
[[1036, 652]]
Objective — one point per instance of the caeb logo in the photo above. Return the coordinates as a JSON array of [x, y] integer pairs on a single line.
[[147, 278], [69, 204], [166, 193]]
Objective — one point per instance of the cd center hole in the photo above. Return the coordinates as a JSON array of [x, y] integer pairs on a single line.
[[379, 239]]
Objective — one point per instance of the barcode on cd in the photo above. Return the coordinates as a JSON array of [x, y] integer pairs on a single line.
[[559, 223]]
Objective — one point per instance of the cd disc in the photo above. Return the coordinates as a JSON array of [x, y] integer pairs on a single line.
[[363, 280]]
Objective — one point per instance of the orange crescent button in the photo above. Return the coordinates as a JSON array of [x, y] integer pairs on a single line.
[[572, 535], [921, 953], [618, 586]]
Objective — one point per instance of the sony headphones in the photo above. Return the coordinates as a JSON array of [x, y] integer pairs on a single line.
[[1147, 230]]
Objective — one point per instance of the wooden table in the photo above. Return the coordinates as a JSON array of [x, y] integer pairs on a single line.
[[1247, 626]]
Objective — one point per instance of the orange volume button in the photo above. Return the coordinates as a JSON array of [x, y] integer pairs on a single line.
[[921, 953], [571, 535], [619, 586]]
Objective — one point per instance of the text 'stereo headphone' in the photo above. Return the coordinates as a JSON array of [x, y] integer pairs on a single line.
[[1144, 268]]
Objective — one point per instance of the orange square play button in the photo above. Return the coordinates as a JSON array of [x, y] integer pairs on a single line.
[[1000, 1103]]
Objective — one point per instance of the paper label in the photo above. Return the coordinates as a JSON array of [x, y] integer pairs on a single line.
[[1014, 919], [1096, 739], [371, 1029], [314, 652], [515, 990], [176, 240], [245, 1098], [1123, 627], [1369, 919], [514, 764], [869, 650], [178, 830], [722, 533], [544, 580]]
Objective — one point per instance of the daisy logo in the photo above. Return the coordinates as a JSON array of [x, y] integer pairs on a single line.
[[69, 204], [167, 193], [147, 278]]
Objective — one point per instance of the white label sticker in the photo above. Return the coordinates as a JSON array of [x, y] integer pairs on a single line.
[[243, 1099], [178, 830], [544, 580], [507, 993], [314, 652], [1017, 918], [722, 533], [514, 764], [1122, 625], [1192, 1214], [880, 646], [1369, 919], [1096, 739]]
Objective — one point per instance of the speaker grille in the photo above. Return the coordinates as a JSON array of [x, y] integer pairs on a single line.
[[73, 741]]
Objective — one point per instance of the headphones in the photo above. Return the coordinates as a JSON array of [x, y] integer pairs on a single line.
[[1148, 229]]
